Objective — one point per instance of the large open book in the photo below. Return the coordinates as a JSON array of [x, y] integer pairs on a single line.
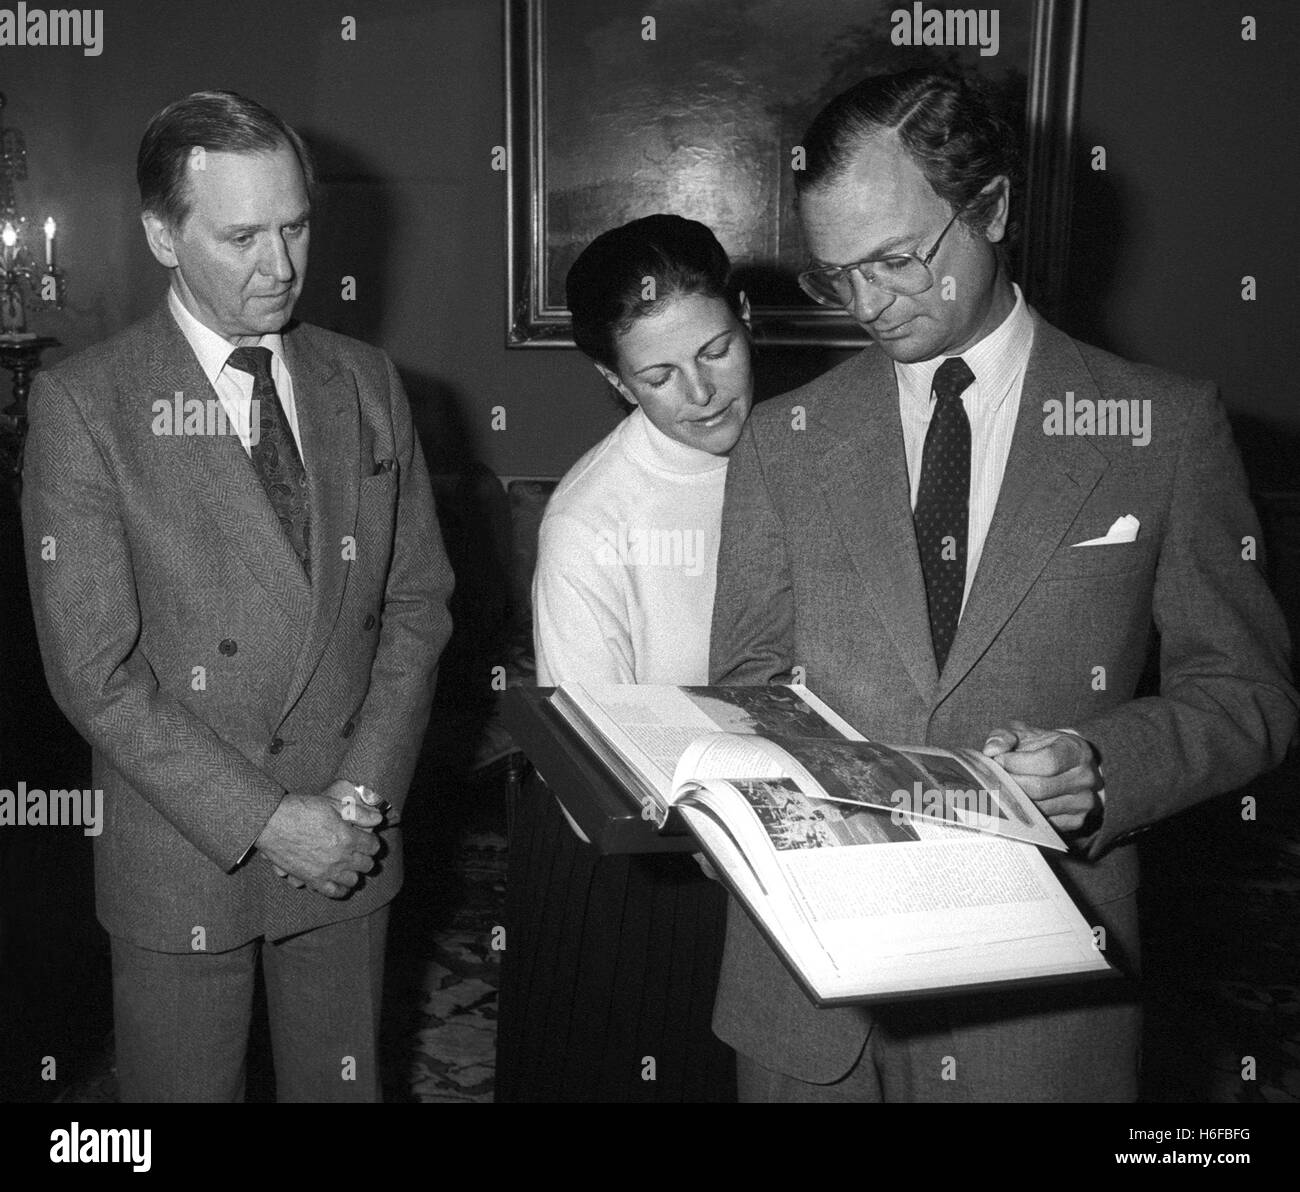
[[875, 871]]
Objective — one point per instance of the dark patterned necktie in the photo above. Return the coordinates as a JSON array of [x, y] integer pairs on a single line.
[[942, 504], [275, 454]]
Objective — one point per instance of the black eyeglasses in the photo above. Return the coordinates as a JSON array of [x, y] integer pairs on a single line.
[[899, 273]]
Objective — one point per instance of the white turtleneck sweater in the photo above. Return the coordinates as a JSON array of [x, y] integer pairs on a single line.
[[627, 562]]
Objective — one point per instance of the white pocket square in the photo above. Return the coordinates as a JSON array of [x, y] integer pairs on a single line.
[[1124, 529]]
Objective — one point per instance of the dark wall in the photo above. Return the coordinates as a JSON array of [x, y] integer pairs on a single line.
[[1201, 189], [404, 119]]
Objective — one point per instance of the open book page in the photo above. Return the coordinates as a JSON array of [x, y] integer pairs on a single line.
[[865, 905], [648, 727], [963, 789], [724, 755], [959, 787]]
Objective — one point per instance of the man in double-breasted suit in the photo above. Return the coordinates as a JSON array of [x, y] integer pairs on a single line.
[[240, 591], [966, 535]]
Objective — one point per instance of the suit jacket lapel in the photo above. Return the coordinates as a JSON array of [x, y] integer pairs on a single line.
[[218, 470], [1045, 483], [328, 422], [864, 481]]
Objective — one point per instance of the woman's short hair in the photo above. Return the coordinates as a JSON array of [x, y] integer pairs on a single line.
[[951, 125], [216, 122], [632, 270]]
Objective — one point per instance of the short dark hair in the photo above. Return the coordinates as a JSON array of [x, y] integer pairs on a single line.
[[606, 285], [217, 122], [952, 125]]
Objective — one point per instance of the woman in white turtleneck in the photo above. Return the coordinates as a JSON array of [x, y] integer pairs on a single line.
[[623, 593]]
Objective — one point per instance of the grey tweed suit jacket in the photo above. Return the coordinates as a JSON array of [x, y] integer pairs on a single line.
[[183, 640], [818, 568]]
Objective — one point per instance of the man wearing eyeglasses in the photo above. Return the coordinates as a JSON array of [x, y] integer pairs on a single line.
[[910, 536]]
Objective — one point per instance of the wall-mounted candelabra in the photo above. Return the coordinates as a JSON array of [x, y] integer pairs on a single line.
[[25, 275]]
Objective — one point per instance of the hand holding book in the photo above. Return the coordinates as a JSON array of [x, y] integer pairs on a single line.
[[1057, 769]]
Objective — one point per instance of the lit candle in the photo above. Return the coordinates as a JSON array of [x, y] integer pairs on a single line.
[[49, 242], [9, 236]]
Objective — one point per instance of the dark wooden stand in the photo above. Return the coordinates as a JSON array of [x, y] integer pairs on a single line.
[[604, 809], [613, 947], [22, 357]]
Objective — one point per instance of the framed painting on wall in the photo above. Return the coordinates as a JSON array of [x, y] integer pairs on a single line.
[[695, 108]]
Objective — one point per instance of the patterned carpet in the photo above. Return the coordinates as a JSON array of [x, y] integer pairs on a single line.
[[1221, 937], [443, 1047]]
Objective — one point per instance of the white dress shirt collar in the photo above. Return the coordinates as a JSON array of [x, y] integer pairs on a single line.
[[213, 350], [996, 360]]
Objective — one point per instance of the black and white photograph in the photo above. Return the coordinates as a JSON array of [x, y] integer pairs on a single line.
[[794, 821], [770, 713], [876, 775], [861, 770], [350, 357]]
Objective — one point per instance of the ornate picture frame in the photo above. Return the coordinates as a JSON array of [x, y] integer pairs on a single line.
[[613, 114]]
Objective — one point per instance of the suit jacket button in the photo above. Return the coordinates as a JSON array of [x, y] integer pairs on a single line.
[[348, 729], [369, 622], [275, 746], [228, 646]]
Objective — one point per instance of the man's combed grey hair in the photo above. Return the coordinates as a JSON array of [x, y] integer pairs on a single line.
[[215, 122]]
